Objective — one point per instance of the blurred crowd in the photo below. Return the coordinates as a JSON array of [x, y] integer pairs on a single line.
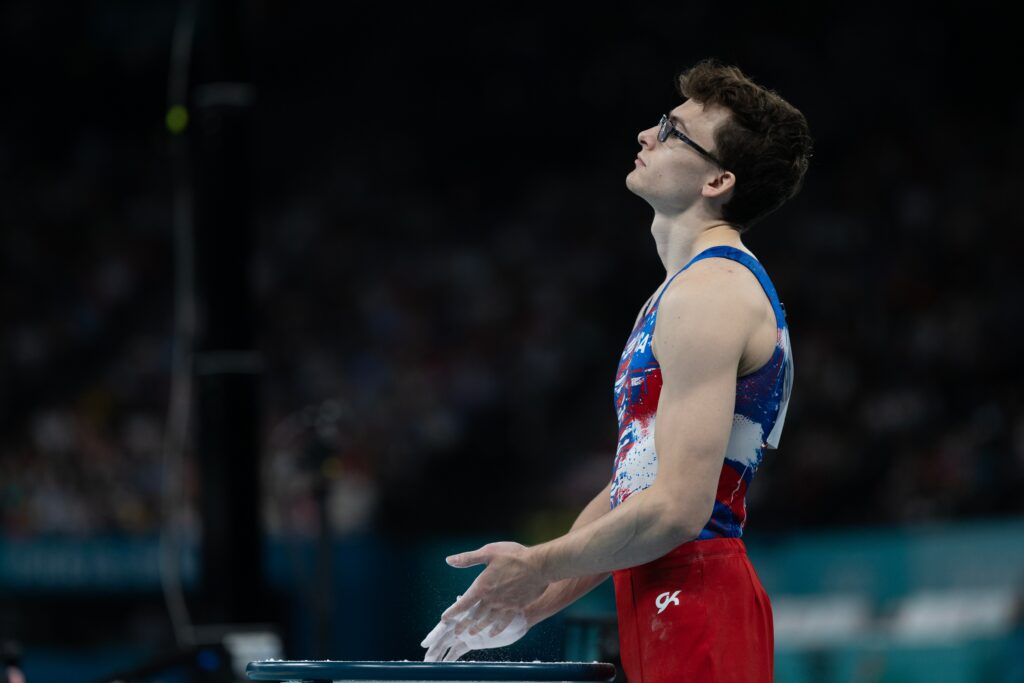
[[420, 379], [439, 356]]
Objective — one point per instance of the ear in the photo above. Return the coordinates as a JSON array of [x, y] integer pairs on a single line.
[[719, 186]]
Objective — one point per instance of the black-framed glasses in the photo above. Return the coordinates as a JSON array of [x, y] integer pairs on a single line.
[[666, 128]]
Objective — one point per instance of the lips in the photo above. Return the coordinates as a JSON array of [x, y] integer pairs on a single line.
[[640, 161]]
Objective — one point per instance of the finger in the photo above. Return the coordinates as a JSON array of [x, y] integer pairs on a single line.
[[435, 634], [464, 621], [438, 649], [479, 621], [464, 604], [441, 641], [502, 622], [457, 627], [468, 559], [458, 649], [471, 619]]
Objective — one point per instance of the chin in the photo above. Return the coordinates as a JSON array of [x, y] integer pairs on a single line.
[[632, 186]]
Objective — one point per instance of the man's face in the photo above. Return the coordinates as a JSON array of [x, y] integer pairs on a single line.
[[671, 174]]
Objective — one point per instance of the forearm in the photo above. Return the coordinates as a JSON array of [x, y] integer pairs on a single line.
[[560, 594], [643, 528]]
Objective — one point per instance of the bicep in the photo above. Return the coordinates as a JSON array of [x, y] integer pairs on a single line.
[[692, 430], [699, 353]]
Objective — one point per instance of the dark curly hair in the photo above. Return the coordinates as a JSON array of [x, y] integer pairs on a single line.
[[765, 142]]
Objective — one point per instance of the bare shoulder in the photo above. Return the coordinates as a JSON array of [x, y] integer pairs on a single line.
[[716, 300], [717, 281]]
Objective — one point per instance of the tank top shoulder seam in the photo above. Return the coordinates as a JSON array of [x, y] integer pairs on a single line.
[[759, 272]]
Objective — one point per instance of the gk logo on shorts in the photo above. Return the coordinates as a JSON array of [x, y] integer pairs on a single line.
[[664, 600]]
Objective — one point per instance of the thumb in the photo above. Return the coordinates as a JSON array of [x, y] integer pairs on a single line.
[[465, 559]]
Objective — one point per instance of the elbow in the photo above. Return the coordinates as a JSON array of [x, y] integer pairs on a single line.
[[683, 519], [689, 521], [689, 531], [686, 525]]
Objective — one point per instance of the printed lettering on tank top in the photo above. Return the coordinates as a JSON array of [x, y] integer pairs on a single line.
[[762, 398]]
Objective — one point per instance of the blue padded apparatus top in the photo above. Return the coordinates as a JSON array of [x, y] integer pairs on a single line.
[[508, 672]]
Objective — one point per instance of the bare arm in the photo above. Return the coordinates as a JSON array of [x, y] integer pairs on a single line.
[[699, 354], [561, 594], [699, 351]]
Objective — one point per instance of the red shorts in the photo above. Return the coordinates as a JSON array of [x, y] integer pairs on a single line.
[[697, 615]]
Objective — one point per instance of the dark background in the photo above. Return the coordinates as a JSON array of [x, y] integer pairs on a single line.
[[446, 263]]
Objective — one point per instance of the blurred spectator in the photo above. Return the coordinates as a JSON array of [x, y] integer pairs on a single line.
[[429, 330]]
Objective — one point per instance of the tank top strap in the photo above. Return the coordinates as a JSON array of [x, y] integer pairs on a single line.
[[725, 251], [693, 260], [658, 300]]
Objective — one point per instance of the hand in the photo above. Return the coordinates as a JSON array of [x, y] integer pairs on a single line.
[[445, 645], [492, 611]]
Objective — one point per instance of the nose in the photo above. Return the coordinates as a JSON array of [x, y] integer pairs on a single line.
[[647, 137]]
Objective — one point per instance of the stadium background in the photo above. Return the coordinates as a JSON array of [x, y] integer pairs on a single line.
[[441, 263]]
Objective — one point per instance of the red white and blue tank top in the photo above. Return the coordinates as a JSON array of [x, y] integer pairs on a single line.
[[762, 398]]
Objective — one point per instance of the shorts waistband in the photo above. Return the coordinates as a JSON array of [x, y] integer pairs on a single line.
[[695, 551]]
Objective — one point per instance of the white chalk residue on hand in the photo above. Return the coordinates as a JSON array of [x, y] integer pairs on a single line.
[[444, 645]]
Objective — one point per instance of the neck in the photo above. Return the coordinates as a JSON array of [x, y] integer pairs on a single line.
[[679, 238]]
